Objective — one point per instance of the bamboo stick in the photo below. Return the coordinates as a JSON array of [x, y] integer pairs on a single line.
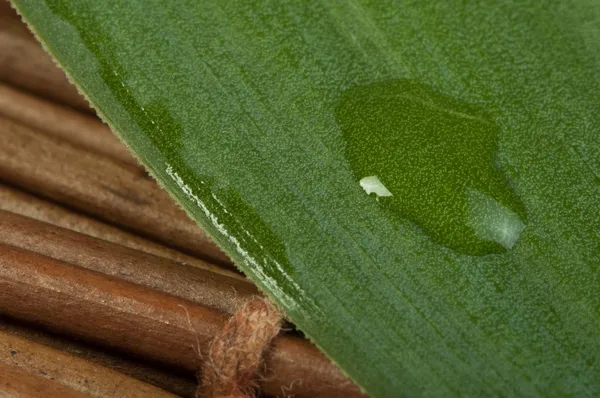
[[18, 383], [78, 128], [22, 203], [175, 383], [99, 186], [151, 324], [8, 15], [200, 286], [24, 63], [18, 355], [6, 10]]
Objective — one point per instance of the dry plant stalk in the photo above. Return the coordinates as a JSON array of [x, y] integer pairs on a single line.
[[152, 324], [222, 292], [70, 371], [17, 382], [99, 186], [175, 382], [82, 130], [25, 64], [19, 202]]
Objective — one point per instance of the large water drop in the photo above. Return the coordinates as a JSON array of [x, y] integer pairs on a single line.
[[431, 159]]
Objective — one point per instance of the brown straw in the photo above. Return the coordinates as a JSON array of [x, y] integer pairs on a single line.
[[170, 380], [45, 211], [17, 353], [80, 129], [24, 63], [201, 286], [110, 312], [100, 187]]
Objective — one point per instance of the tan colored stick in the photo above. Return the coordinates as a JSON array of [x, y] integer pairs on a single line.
[[173, 382], [24, 63], [9, 15], [200, 286], [22, 203], [99, 186], [19, 383], [78, 128], [154, 325], [19, 354]]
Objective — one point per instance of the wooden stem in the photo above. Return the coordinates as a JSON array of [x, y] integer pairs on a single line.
[[20, 357], [80, 129], [19, 383], [24, 63], [174, 382], [22, 203], [99, 186], [155, 325], [198, 285]]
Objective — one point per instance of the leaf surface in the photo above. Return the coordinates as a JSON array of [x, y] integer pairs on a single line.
[[237, 108]]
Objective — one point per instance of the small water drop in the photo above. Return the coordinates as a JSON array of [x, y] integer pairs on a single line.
[[372, 184], [432, 160]]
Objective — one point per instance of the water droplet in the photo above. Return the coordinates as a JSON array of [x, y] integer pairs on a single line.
[[372, 184], [432, 160]]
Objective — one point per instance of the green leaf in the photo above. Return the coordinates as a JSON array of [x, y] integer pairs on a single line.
[[473, 267]]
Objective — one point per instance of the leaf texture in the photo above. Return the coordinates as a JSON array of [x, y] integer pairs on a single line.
[[232, 107]]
